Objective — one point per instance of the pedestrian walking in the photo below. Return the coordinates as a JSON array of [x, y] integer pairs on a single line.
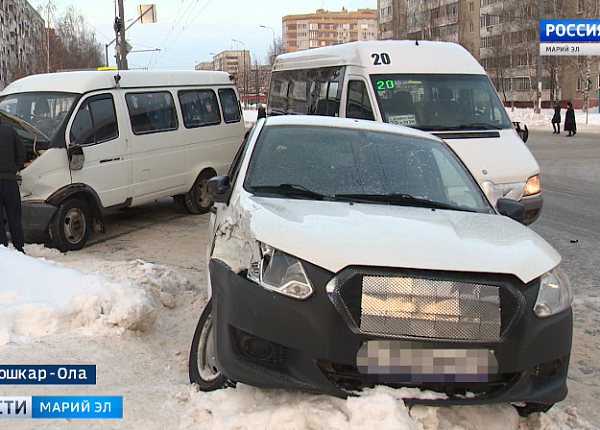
[[262, 112], [556, 118], [570, 125], [12, 156]]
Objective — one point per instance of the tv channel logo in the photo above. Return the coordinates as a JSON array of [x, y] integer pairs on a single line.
[[569, 30]]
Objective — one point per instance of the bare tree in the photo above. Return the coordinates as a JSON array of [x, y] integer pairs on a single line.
[[275, 49]]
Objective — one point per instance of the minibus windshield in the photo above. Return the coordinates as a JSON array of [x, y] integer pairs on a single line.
[[440, 102], [45, 111]]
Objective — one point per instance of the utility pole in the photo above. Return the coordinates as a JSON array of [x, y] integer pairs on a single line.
[[122, 57]]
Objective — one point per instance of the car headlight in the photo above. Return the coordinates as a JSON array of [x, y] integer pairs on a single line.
[[555, 294], [532, 186], [280, 272]]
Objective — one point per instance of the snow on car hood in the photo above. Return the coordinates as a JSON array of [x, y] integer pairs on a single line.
[[334, 235]]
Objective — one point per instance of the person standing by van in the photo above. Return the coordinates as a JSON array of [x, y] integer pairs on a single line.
[[556, 118], [570, 125], [12, 156]]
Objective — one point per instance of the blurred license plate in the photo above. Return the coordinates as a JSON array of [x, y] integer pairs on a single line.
[[403, 361]]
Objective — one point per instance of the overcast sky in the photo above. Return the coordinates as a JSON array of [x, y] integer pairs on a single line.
[[187, 31]]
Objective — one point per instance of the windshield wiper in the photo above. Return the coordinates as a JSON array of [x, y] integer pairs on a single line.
[[403, 200], [290, 189]]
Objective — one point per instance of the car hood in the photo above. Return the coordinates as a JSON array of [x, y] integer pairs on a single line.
[[334, 235], [22, 125]]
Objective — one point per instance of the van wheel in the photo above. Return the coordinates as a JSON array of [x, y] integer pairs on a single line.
[[203, 367], [70, 227], [179, 202], [532, 408], [195, 199]]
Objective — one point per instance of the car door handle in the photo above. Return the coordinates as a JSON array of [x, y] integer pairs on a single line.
[[107, 160]]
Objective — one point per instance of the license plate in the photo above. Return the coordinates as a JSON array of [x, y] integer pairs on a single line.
[[403, 361]]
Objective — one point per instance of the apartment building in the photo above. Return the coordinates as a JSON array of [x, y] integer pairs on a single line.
[[325, 28], [503, 36], [23, 41]]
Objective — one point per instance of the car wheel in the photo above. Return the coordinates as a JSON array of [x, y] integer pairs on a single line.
[[70, 227], [203, 367], [196, 200], [532, 408], [179, 202]]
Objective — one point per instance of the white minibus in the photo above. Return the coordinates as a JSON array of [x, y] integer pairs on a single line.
[[99, 140], [438, 87]]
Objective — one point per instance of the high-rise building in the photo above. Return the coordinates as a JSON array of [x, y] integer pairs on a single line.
[[503, 35], [325, 28], [23, 39]]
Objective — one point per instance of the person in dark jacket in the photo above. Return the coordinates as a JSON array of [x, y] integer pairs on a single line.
[[556, 118], [12, 156], [262, 112], [570, 125]]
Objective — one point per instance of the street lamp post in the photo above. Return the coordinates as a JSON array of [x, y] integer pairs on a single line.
[[245, 77], [274, 47]]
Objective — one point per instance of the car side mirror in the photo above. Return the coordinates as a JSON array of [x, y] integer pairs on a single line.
[[511, 209], [218, 189], [523, 132], [76, 156]]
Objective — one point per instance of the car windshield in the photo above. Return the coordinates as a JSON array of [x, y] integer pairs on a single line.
[[46, 111], [440, 102], [351, 164]]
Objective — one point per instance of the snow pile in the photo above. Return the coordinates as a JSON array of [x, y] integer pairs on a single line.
[[40, 298]]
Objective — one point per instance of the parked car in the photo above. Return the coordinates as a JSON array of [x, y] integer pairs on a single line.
[[347, 253]]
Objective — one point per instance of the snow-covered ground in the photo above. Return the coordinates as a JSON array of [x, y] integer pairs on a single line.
[[104, 305]]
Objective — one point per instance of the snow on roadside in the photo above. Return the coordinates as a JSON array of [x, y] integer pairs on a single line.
[[39, 297]]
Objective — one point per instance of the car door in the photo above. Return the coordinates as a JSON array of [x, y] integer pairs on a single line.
[[106, 166]]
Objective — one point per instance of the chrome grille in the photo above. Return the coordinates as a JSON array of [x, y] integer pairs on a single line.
[[389, 303]]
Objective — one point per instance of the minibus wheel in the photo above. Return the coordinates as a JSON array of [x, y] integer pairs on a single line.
[[70, 227], [196, 200], [203, 369]]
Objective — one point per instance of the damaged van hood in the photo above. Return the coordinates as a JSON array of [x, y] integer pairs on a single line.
[[334, 235], [22, 125]]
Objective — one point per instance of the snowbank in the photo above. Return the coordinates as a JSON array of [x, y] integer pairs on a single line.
[[40, 298]]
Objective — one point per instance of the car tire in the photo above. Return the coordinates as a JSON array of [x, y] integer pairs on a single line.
[[180, 205], [203, 370], [195, 199], [532, 408], [70, 227]]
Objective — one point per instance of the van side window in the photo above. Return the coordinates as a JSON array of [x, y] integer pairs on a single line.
[[151, 112], [229, 103], [358, 104], [199, 108], [95, 122], [307, 91]]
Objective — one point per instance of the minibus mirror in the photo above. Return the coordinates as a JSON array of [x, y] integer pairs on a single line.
[[511, 209], [76, 156], [218, 189], [523, 132]]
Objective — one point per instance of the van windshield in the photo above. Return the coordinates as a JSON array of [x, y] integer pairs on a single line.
[[45, 111], [440, 102]]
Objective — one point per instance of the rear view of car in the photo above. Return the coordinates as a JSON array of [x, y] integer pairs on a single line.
[[345, 254]]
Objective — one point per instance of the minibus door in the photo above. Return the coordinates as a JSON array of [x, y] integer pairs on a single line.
[[98, 150]]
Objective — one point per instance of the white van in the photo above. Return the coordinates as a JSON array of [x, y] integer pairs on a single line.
[[111, 139], [437, 87]]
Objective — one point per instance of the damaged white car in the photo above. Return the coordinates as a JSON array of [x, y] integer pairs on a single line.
[[345, 253]]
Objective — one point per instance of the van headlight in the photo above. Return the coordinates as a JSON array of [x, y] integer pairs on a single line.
[[532, 186], [280, 272], [555, 294]]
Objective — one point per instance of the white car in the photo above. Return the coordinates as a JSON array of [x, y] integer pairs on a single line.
[[346, 253]]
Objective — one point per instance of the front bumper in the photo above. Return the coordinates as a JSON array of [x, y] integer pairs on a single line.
[[35, 218], [533, 208], [310, 347]]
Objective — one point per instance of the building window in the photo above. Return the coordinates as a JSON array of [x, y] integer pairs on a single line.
[[471, 27], [522, 83], [471, 7]]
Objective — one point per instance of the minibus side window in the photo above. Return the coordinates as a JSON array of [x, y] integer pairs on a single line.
[[151, 112], [229, 103], [95, 121], [199, 108], [358, 104]]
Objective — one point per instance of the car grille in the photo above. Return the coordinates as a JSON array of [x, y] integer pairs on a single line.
[[420, 304]]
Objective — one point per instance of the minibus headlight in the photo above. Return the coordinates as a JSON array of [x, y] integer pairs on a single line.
[[533, 185], [555, 294], [280, 272]]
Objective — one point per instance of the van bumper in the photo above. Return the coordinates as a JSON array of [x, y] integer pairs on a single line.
[[533, 208], [35, 217], [313, 349]]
